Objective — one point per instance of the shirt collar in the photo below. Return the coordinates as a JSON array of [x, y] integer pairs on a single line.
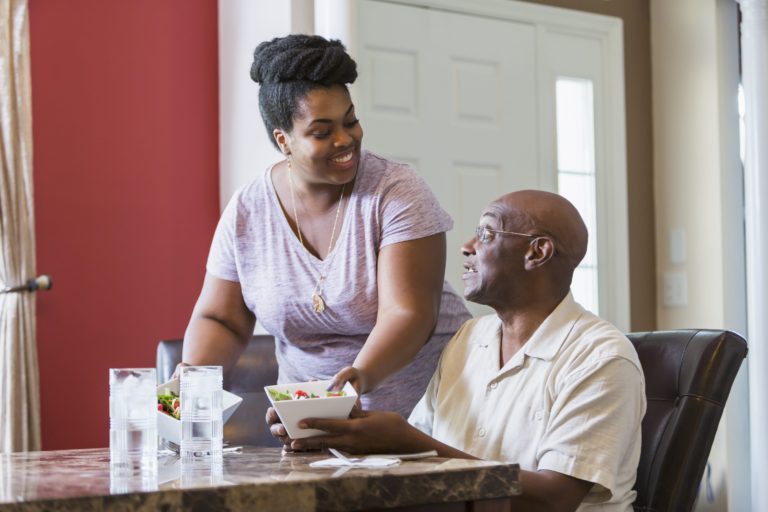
[[546, 341], [543, 344]]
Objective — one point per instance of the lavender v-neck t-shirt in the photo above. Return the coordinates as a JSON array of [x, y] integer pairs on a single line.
[[255, 246]]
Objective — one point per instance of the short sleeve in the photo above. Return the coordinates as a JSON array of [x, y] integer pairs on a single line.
[[222, 259], [593, 423], [423, 415], [409, 209]]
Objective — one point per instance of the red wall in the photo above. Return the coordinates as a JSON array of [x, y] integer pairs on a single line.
[[125, 126]]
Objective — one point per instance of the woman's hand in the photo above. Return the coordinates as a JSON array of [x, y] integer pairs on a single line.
[[354, 376], [177, 372]]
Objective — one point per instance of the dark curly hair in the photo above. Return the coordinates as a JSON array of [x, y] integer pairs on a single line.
[[289, 67]]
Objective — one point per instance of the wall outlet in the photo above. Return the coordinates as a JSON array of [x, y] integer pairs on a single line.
[[675, 289]]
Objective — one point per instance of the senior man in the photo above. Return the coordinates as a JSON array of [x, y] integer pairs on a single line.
[[543, 382]]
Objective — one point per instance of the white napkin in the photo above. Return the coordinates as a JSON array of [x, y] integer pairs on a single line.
[[407, 456], [367, 462]]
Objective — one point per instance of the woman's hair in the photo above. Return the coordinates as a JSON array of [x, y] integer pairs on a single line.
[[289, 67]]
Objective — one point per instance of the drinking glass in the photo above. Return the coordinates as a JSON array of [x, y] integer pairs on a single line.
[[201, 472], [202, 426], [132, 420], [123, 483]]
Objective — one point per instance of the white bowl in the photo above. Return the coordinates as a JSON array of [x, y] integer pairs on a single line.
[[169, 428], [293, 411]]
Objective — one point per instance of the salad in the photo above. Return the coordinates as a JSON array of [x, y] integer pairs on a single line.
[[301, 395], [169, 404]]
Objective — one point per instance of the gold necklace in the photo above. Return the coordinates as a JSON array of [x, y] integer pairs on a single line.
[[318, 304]]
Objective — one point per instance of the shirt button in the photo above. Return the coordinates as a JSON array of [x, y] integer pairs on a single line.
[[538, 415], [481, 432], [494, 385]]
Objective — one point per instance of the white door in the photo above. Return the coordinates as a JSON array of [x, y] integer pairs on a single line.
[[457, 108], [470, 101]]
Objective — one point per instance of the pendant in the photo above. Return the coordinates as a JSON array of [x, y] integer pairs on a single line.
[[318, 305]]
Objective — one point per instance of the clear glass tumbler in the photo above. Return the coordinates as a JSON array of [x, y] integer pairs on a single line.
[[202, 426], [200, 472], [121, 482], [133, 420]]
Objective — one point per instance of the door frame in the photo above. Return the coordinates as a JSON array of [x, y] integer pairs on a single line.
[[610, 157]]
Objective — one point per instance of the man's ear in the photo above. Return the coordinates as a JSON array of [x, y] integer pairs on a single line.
[[540, 251], [282, 140]]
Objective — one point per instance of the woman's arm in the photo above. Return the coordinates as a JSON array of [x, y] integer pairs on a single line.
[[410, 283], [220, 327]]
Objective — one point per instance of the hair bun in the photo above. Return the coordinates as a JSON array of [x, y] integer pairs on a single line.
[[302, 58]]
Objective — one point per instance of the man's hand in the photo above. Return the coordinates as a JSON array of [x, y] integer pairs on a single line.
[[277, 429], [364, 432]]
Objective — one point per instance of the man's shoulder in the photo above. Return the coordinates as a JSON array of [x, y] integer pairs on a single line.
[[598, 339]]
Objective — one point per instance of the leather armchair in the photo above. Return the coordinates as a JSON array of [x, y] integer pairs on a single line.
[[256, 368], [688, 375]]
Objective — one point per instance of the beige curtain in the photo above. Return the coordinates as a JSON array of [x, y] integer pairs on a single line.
[[19, 383]]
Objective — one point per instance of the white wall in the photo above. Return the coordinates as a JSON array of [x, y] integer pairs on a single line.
[[244, 146], [697, 189]]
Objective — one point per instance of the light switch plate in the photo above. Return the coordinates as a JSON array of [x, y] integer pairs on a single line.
[[677, 246]]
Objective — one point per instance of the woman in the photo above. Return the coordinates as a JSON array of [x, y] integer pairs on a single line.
[[338, 252]]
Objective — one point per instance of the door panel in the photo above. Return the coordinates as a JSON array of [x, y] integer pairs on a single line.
[[454, 96]]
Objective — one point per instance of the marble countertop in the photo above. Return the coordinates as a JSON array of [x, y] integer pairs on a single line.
[[256, 478]]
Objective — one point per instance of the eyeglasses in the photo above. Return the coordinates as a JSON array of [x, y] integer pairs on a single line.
[[484, 234]]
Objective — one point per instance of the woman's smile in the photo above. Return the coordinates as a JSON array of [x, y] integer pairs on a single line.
[[345, 161]]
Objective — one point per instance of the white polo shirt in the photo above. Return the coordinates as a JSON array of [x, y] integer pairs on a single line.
[[571, 400]]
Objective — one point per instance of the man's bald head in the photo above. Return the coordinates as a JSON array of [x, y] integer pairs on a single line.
[[544, 213]]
